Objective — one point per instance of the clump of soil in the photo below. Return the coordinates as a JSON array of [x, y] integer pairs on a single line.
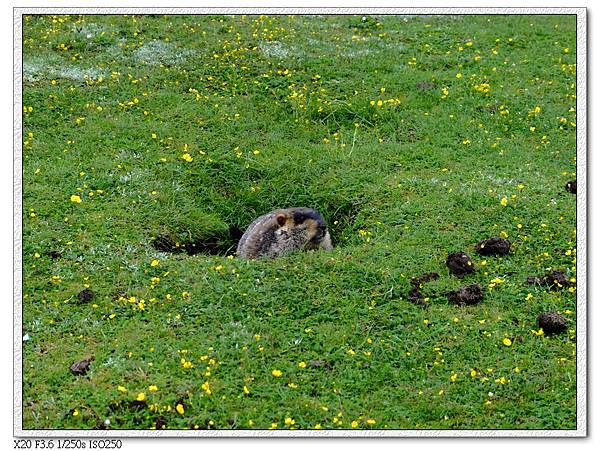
[[460, 264], [160, 422], [552, 323], [85, 295], [81, 367], [555, 280], [417, 282], [493, 246], [466, 295], [415, 296], [571, 186], [54, 254]]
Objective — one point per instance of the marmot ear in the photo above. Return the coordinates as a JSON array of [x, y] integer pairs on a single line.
[[280, 219]]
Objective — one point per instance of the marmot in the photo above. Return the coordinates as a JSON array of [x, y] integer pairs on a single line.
[[282, 231]]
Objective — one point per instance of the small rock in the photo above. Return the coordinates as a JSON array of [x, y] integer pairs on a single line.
[[81, 367], [552, 323], [466, 295], [493, 246], [460, 264]]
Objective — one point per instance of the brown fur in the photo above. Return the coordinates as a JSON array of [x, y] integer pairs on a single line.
[[282, 231]]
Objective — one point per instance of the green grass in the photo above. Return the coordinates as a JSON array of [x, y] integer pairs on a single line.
[[283, 111]]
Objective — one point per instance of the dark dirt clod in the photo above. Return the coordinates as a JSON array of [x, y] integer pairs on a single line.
[[493, 246], [571, 186], [427, 277], [54, 254], [466, 295], [320, 364], [555, 280], [81, 367], [460, 264], [415, 296], [552, 323], [160, 422], [85, 296]]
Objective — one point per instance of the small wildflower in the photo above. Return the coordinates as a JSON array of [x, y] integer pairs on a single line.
[[76, 199], [122, 389], [507, 341], [276, 373], [179, 409], [141, 396]]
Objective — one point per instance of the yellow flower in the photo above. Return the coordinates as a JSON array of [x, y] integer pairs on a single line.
[[246, 391], [289, 421], [141, 396], [459, 75], [75, 198], [122, 389], [276, 373], [154, 262], [302, 364], [153, 388], [504, 201], [354, 424], [371, 421], [187, 157], [507, 341], [179, 409]]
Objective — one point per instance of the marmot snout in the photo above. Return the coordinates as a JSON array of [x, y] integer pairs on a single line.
[[282, 231]]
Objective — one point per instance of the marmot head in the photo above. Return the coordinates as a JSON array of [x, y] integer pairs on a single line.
[[303, 227]]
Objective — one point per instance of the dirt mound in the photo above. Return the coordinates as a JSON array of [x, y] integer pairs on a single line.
[[466, 295], [460, 264], [552, 323], [493, 246], [555, 280]]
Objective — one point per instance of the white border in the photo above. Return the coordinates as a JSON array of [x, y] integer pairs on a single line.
[[581, 430]]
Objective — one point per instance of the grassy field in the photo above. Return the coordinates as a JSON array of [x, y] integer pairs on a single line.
[[151, 142]]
